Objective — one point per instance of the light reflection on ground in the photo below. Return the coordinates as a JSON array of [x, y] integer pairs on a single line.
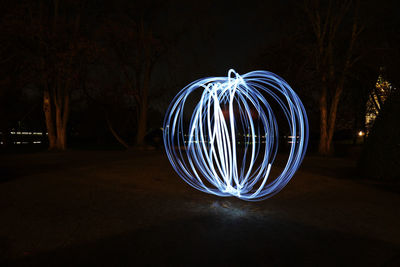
[[230, 209]]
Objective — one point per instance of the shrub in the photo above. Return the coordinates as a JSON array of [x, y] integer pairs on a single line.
[[381, 153]]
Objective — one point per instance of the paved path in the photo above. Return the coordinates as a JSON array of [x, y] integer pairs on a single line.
[[118, 208]]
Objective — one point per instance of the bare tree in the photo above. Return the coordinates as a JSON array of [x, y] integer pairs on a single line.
[[331, 63], [134, 54], [57, 53]]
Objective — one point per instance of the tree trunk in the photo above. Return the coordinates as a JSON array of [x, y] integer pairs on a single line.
[[142, 121], [323, 147], [61, 134], [328, 123], [142, 124], [115, 134], [332, 115], [62, 112], [56, 116], [47, 109]]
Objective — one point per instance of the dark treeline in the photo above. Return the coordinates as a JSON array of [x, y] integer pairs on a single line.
[[105, 71]]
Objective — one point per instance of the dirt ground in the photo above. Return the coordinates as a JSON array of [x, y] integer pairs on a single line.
[[111, 208]]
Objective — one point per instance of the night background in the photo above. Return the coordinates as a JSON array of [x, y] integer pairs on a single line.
[[84, 177]]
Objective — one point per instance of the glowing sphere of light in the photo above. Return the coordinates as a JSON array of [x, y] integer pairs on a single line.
[[221, 134]]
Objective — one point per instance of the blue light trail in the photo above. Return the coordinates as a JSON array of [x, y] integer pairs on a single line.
[[221, 134]]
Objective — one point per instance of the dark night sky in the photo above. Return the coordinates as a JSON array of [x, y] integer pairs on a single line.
[[219, 35], [210, 37], [227, 34]]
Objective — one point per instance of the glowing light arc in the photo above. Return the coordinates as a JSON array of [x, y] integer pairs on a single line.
[[221, 134]]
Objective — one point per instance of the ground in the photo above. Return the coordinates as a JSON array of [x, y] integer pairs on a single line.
[[117, 208]]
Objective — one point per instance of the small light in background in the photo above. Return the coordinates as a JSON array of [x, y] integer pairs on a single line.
[[361, 133]]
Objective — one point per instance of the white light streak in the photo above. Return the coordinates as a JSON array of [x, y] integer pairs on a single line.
[[218, 149]]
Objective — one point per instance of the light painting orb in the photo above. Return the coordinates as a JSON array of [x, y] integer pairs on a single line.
[[221, 134]]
